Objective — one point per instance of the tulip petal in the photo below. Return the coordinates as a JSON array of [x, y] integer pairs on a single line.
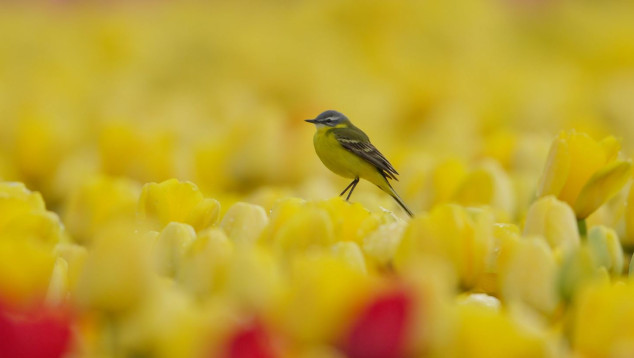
[[602, 186], [629, 218], [556, 170], [244, 222], [174, 200], [555, 221], [604, 244], [251, 341], [381, 329], [586, 158], [530, 276], [611, 147]]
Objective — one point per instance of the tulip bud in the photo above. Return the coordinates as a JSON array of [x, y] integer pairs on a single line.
[[243, 222], [555, 221], [116, 287], [606, 248], [583, 172], [172, 200], [578, 269], [530, 276], [171, 245]]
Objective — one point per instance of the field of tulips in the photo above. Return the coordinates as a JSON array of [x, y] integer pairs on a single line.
[[160, 195]]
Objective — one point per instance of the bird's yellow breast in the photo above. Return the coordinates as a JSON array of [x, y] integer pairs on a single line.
[[341, 161]]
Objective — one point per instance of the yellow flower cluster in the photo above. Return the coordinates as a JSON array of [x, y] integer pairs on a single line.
[[160, 196]]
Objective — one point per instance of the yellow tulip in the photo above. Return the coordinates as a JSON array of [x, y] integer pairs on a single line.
[[506, 237], [488, 184], [16, 200], [167, 324], [350, 253], [482, 331], [74, 257], [331, 287], [464, 238], [118, 287], [210, 158], [297, 225], [171, 245], [173, 200], [25, 270], [142, 154], [280, 213], [555, 221], [445, 180], [254, 278], [381, 244], [583, 172], [42, 225], [243, 222], [23, 216], [501, 145], [97, 203], [205, 263], [606, 248], [307, 227], [629, 218], [268, 196], [579, 269], [12, 193], [433, 284], [351, 221], [603, 319], [58, 288], [530, 276], [40, 145]]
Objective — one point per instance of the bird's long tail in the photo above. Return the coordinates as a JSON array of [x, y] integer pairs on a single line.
[[401, 203], [388, 189]]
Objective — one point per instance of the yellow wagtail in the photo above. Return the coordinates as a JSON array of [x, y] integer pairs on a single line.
[[347, 151]]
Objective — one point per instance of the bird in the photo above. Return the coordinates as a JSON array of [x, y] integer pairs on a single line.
[[346, 150]]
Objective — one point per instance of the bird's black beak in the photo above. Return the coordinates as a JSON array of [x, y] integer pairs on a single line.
[[311, 120]]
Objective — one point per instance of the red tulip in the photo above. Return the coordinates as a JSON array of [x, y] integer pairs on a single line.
[[36, 334], [251, 341], [381, 328]]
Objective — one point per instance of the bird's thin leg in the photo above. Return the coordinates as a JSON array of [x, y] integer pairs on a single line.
[[354, 185], [348, 187]]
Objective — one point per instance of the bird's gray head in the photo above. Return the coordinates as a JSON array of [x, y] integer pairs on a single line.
[[329, 118]]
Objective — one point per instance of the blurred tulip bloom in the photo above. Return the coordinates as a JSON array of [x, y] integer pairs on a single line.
[[251, 341], [629, 218], [381, 329], [462, 237], [603, 320], [530, 276], [173, 200], [97, 203], [606, 248], [40, 333], [555, 221], [583, 172]]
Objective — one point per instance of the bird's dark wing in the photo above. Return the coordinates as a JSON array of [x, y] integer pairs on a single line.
[[358, 143]]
